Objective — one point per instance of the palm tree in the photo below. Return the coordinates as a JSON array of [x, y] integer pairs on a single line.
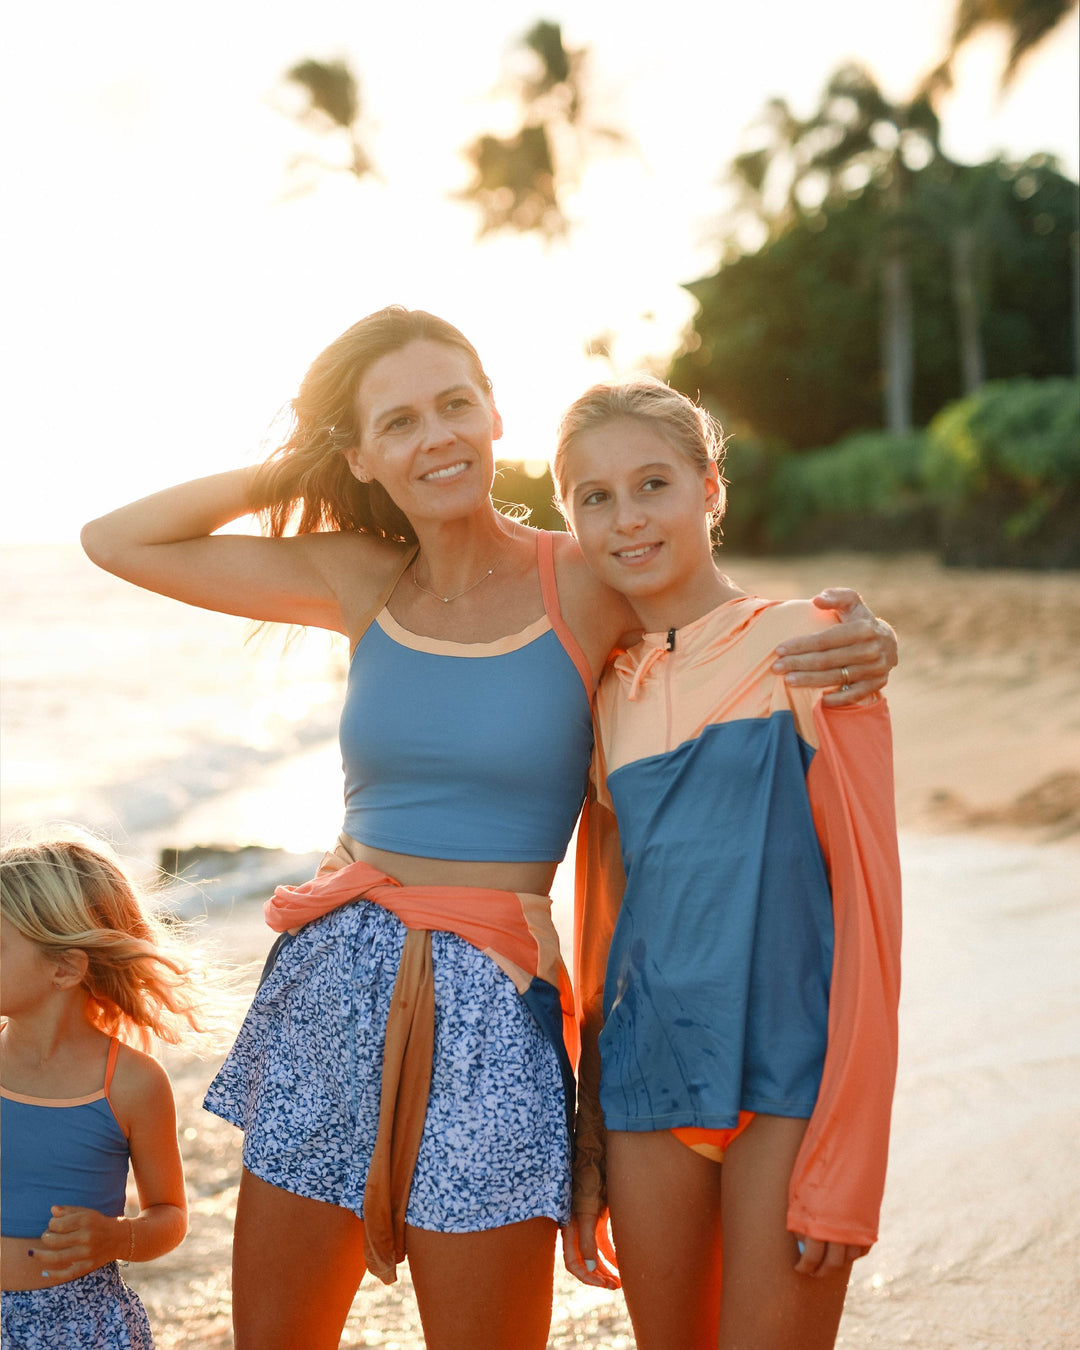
[[856, 141], [333, 108], [519, 181], [1027, 22]]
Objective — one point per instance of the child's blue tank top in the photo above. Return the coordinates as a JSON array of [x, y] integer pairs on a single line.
[[468, 750], [60, 1152]]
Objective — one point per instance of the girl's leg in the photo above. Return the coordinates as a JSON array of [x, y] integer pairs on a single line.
[[665, 1205], [766, 1305], [297, 1264], [484, 1291]]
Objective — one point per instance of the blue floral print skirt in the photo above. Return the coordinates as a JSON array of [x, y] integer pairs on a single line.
[[95, 1312], [303, 1079]]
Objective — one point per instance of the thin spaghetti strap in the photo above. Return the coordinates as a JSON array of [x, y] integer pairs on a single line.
[[110, 1063], [545, 562], [384, 596]]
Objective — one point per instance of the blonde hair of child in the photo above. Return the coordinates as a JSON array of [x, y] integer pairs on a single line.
[[65, 893], [684, 424]]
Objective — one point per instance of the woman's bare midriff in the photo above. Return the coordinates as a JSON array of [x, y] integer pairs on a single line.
[[533, 878]]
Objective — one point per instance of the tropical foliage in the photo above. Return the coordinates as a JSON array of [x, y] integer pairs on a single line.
[[1003, 467], [520, 181], [869, 305], [1027, 23], [865, 492], [332, 110]]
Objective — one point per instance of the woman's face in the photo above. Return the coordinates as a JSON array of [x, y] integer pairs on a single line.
[[638, 507], [426, 431]]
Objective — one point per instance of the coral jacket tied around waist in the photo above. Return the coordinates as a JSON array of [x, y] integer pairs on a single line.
[[514, 930]]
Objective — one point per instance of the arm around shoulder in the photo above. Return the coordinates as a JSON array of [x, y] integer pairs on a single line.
[[858, 652]]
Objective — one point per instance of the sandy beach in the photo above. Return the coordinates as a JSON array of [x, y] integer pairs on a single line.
[[979, 1228]]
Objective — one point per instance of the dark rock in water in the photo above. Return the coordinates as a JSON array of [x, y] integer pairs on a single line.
[[209, 876], [207, 859]]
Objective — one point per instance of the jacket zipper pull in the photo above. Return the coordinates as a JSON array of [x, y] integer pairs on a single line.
[[671, 639]]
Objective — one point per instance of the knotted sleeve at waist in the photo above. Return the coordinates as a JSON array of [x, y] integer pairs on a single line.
[[514, 930]]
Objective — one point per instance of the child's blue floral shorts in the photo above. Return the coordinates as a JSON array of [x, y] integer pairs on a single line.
[[95, 1312]]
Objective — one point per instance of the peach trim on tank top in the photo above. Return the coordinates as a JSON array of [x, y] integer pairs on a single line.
[[98, 1096], [418, 642], [102, 1094]]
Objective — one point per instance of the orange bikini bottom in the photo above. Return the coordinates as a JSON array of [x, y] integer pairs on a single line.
[[712, 1144]]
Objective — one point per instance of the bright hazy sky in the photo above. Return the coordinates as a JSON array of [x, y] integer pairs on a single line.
[[164, 294]]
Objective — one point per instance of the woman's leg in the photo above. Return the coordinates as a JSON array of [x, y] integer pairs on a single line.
[[766, 1305], [484, 1291], [665, 1204], [297, 1264]]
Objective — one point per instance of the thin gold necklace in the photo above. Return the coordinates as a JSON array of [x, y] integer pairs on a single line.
[[472, 584]]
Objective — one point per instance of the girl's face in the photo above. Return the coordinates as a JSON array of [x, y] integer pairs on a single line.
[[639, 509], [26, 973], [426, 431]]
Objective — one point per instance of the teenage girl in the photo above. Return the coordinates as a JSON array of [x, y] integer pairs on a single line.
[[738, 962], [88, 976], [434, 1122]]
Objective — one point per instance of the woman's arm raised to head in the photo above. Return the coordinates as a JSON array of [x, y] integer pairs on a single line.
[[166, 543]]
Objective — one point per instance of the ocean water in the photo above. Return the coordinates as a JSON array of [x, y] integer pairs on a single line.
[[157, 723]]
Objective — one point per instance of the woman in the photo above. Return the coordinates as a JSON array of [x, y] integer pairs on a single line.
[[466, 735]]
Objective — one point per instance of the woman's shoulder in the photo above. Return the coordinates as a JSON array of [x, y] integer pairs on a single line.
[[357, 567], [598, 616]]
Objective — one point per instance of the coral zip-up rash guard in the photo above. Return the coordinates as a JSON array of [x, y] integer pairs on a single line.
[[751, 962]]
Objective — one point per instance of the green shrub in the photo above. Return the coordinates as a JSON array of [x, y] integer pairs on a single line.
[[864, 492], [1028, 430], [1003, 468]]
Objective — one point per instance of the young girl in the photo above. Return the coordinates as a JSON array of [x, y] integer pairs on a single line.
[[86, 971], [738, 948]]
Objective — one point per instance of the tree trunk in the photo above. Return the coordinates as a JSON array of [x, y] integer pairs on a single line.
[[972, 363], [897, 344], [1075, 251]]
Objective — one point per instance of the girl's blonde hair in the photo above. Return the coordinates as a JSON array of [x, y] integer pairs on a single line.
[[684, 424], [67, 892]]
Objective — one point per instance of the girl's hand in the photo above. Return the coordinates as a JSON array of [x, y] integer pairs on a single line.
[[819, 1258], [78, 1241], [861, 646], [588, 1252]]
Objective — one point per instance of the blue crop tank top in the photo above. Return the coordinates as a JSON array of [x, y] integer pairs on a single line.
[[67, 1152], [472, 751]]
